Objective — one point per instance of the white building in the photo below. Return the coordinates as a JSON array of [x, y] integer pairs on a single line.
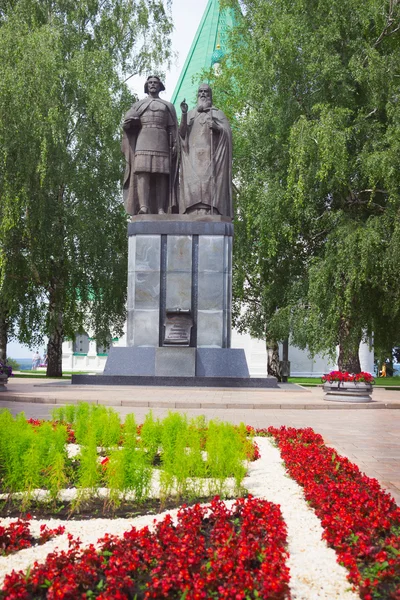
[[85, 355]]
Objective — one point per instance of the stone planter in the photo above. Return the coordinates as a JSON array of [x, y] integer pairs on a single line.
[[3, 382], [348, 391]]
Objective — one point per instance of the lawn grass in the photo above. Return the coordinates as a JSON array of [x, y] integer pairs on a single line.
[[42, 374], [306, 381]]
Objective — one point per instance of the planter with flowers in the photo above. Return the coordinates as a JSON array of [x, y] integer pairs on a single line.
[[5, 373], [346, 387]]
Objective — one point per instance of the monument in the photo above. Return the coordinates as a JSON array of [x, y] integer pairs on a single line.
[[149, 145], [179, 263], [206, 158]]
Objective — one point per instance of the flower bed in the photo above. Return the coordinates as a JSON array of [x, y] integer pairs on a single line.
[[17, 536], [176, 458], [214, 553], [345, 376], [360, 520], [348, 387]]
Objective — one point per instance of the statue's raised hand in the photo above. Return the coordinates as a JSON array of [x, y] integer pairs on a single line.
[[184, 106]]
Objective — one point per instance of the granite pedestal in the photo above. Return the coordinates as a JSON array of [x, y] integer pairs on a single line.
[[183, 264], [179, 267]]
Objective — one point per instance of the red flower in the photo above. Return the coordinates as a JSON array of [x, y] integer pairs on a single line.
[[346, 376], [17, 536], [360, 520], [217, 553]]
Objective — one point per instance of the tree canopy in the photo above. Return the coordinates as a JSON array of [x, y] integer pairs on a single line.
[[63, 64], [313, 91]]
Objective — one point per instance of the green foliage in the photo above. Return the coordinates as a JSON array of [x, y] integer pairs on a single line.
[[62, 224], [81, 422], [225, 456], [150, 435], [138, 472], [89, 469], [13, 363], [31, 458], [197, 459], [130, 431], [115, 477], [173, 444], [55, 476], [105, 422], [312, 92]]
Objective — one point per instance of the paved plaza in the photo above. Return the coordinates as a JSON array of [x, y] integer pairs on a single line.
[[368, 434]]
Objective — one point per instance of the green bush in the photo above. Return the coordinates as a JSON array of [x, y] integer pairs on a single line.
[[195, 459]]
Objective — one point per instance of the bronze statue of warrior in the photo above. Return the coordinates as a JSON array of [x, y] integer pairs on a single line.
[[149, 144]]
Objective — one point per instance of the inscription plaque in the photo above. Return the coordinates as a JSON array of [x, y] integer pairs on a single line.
[[178, 326]]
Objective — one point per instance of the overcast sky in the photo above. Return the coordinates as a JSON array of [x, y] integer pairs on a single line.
[[186, 15]]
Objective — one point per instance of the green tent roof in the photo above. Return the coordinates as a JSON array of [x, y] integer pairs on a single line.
[[211, 33]]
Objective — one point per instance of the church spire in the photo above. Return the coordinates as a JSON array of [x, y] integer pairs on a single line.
[[210, 40]]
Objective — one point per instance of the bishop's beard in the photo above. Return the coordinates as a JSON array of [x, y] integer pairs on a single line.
[[203, 104]]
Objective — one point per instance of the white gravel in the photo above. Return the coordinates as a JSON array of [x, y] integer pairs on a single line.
[[315, 574]]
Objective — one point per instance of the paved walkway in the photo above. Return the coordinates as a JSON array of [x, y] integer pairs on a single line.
[[288, 396], [368, 434]]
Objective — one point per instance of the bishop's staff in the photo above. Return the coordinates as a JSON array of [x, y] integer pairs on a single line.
[[212, 162]]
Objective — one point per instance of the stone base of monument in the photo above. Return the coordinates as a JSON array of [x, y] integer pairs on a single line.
[[179, 270], [199, 367], [179, 305], [177, 362]]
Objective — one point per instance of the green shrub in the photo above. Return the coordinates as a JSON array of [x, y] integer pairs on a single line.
[[150, 436], [89, 470], [226, 456]]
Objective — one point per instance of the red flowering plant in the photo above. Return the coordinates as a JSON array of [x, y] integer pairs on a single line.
[[214, 552], [360, 520], [345, 376], [70, 432], [17, 535]]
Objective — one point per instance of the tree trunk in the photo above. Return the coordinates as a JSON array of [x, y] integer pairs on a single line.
[[273, 359], [349, 344], [3, 338], [56, 335], [285, 360], [349, 361]]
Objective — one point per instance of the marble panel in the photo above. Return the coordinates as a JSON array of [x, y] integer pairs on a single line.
[[211, 291], [131, 290], [179, 253], [131, 253], [147, 289], [148, 252], [210, 328], [179, 291], [211, 253], [146, 328]]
